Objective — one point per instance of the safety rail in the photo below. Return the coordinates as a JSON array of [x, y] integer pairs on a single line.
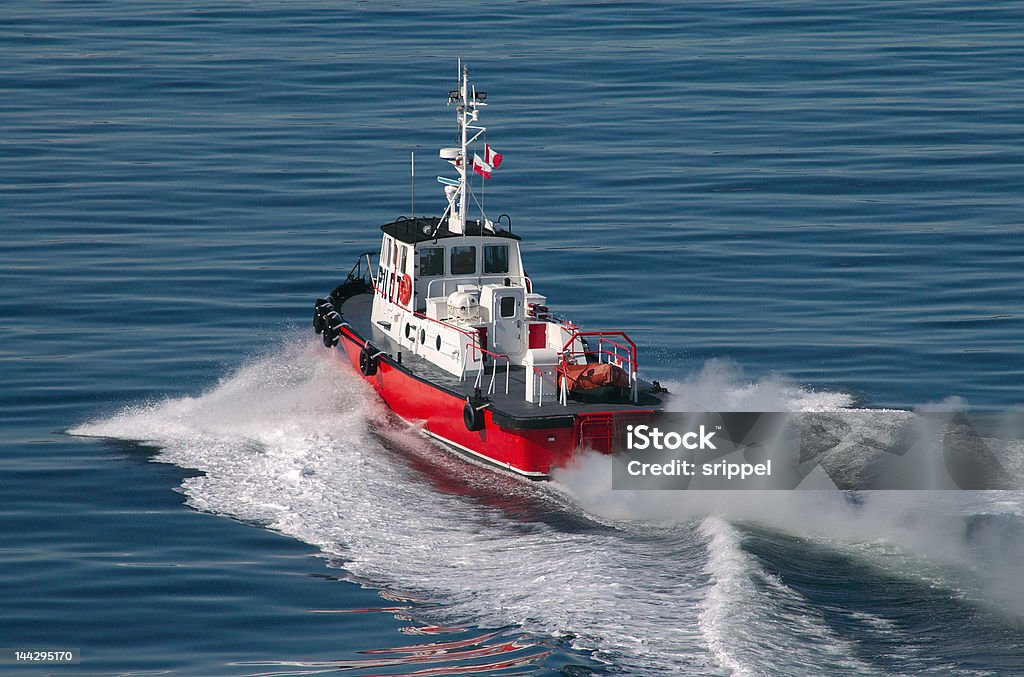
[[478, 280], [468, 333], [536, 374], [411, 226], [359, 280], [610, 355], [567, 325], [369, 266], [473, 337], [495, 358], [614, 351]]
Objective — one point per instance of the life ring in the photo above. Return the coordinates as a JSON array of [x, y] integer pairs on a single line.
[[472, 417], [368, 360], [405, 289]]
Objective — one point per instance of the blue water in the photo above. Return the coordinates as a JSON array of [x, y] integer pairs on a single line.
[[810, 206]]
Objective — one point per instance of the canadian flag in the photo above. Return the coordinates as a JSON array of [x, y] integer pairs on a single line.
[[481, 167], [490, 157]]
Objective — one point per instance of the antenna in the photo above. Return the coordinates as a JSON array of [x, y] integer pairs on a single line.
[[463, 122], [412, 161], [467, 102]]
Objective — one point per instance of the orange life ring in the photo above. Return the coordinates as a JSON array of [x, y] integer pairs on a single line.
[[405, 289]]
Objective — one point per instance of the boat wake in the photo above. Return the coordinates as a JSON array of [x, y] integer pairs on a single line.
[[652, 582]]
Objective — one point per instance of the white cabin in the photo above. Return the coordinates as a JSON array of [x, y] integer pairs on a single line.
[[454, 292], [463, 302]]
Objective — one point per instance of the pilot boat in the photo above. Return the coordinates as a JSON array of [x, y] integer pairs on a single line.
[[447, 327]]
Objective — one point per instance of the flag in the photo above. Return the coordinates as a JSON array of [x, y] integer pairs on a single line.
[[490, 157], [481, 167]]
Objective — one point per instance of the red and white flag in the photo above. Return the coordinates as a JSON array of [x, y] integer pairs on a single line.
[[481, 167], [491, 158]]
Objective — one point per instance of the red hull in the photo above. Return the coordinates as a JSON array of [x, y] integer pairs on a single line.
[[531, 452]]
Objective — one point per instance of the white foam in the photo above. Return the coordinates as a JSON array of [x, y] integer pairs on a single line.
[[919, 535], [741, 613], [720, 386], [296, 442], [922, 536]]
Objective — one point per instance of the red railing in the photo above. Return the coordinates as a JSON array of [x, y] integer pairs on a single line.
[[468, 333], [495, 359], [473, 342], [613, 354]]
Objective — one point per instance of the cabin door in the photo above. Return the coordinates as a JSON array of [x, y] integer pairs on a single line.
[[508, 321]]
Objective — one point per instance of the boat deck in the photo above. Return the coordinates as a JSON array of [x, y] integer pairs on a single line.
[[512, 406]]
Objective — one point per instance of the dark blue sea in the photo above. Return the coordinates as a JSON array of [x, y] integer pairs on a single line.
[[790, 205]]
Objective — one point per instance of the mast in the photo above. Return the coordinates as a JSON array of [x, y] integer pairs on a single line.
[[465, 158], [466, 113]]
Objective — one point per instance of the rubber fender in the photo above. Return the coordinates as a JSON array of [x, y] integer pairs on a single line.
[[321, 309], [318, 320], [472, 417], [368, 360], [330, 337]]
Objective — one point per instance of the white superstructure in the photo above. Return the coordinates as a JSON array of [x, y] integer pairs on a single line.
[[453, 290]]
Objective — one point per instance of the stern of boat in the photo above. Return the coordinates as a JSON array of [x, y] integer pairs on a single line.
[[605, 431]]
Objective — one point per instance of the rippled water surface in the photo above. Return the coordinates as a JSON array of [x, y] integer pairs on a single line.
[[807, 206]]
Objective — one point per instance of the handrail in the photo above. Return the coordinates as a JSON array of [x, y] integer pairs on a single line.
[[568, 325], [581, 334], [473, 338], [359, 279], [473, 279], [537, 371], [465, 332], [609, 353], [494, 367], [357, 269], [603, 337], [369, 268], [603, 340]]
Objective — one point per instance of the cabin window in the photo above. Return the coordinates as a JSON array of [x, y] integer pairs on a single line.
[[464, 260], [496, 258], [431, 261], [403, 252], [508, 306]]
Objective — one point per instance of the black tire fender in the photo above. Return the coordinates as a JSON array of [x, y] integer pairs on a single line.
[[318, 320], [368, 360], [321, 309], [472, 416], [330, 337]]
